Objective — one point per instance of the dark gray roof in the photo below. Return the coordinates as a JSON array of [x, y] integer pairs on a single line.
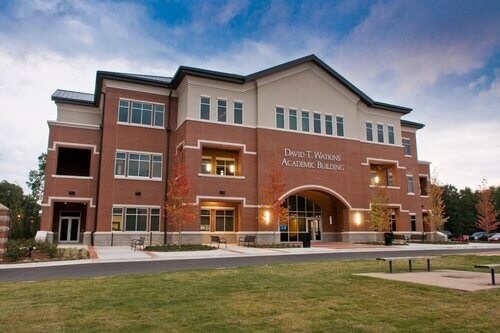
[[73, 97], [413, 124], [165, 80]]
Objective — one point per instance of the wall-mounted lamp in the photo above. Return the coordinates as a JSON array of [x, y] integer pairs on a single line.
[[330, 219], [138, 193], [377, 179], [222, 192], [231, 168], [71, 192], [357, 218], [267, 216]]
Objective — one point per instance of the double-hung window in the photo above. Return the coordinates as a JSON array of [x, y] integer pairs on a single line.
[[141, 113], [305, 121], [390, 132], [280, 117], [407, 147], [317, 123], [369, 131], [329, 125], [131, 164], [238, 112], [205, 108], [222, 110], [292, 119], [409, 181], [138, 165], [380, 132], [120, 163], [340, 126], [225, 166]]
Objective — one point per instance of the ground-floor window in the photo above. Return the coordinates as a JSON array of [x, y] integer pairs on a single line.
[[392, 219], [135, 219], [413, 222], [304, 218], [221, 219]]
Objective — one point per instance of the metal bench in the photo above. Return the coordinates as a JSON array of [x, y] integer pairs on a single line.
[[492, 268], [138, 242], [247, 240], [401, 238], [217, 240], [410, 259]]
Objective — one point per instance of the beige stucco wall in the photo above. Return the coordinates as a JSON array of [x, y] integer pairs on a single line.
[[78, 114]]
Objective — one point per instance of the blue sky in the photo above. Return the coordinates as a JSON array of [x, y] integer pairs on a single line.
[[441, 58]]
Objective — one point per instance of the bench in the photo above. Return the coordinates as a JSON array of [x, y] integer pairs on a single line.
[[401, 239], [218, 241], [138, 242], [247, 240], [410, 259], [417, 238], [492, 268]]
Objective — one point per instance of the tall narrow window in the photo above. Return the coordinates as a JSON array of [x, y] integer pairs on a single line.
[[222, 110], [292, 119], [120, 164], [206, 165], [305, 121], [205, 108], [123, 111], [155, 219], [409, 181], [340, 126], [116, 223], [157, 165], [329, 125], [380, 132], [238, 112], [317, 123], [407, 147], [390, 177], [369, 131], [280, 117], [393, 221], [205, 220], [159, 112], [390, 132], [413, 222]]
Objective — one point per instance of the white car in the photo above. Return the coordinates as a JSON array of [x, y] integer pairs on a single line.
[[495, 237]]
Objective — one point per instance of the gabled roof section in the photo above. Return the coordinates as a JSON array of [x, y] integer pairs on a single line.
[[412, 124], [73, 97]]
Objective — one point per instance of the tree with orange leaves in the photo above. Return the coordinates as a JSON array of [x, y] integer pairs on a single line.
[[273, 210], [486, 213], [178, 211]]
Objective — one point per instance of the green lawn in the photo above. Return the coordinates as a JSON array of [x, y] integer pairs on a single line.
[[308, 297]]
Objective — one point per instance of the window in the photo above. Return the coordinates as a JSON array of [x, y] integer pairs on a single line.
[[280, 118], [155, 219], [138, 165], [392, 219], [317, 123], [329, 125], [224, 220], [374, 178], [238, 112], [136, 219], [73, 162], [117, 221], [305, 121], [423, 185], [413, 222], [221, 110], [390, 177], [300, 210], [141, 113], [224, 166], [205, 220], [369, 131], [205, 108], [407, 147], [206, 165], [409, 181], [390, 130], [380, 132], [340, 126], [292, 119]]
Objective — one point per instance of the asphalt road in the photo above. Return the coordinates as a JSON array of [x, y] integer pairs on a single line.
[[80, 271]]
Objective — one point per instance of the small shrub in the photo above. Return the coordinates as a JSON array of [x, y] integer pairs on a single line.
[[16, 249], [49, 248]]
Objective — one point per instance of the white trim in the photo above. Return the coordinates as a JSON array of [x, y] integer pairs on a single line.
[[221, 143], [423, 162], [316, 187], [410, 193], [214, 122], [121, 123], [389, 187], [223, 99], [206, 96], [138, 178], [423, 175], [120, 150], [72, 177], [412, 214], [199, 198], [138, 101], [65, 144], [369, 159], [219, 176], [134, 206], [69, 199], [217, 207], [75, 125], [393, 205]]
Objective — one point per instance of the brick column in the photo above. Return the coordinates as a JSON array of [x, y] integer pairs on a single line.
[[4, 230]]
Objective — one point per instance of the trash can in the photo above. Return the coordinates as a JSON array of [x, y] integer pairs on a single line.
[[388, 237], [306, 240]]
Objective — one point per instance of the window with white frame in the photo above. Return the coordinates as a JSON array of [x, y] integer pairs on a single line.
[[340, 125], [206, 165], [280, 117], [305, 121], [317, 123], [117, 220], [380, 132], [407, 146], [154, 219], [135, 219], [390, 132], [369, 131], [292, 119], [205, 219], [409, 182], [328, 124], [225, 166], [121, 159], [222, 110], [132, 164], [141, 113], [205, 108], [224, 220], [238, 112], [138, 165]]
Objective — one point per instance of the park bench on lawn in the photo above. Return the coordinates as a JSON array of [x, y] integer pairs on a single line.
[[492, 268], [217, 240], [410, 259], [247, 240]]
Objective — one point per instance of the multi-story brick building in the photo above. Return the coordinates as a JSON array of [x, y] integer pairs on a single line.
[[109, 156]]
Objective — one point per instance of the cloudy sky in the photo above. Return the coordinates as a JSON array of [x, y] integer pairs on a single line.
[[441, 58]]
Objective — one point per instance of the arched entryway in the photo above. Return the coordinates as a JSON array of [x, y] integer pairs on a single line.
[[316, 212]]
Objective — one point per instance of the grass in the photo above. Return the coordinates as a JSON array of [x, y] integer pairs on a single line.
[[184, 247], [306, 297]]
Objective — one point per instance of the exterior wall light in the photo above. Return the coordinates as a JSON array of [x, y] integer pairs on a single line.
[[377, 179], [231, 168], [208, 167], [267, 216], [357, 218]]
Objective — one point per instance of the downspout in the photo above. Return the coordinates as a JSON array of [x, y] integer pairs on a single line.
[[99, 171], [167, 159]]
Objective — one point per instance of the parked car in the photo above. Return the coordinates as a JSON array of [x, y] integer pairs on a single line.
[[460, 238], [447, 233], [477, 235], [495, 237]]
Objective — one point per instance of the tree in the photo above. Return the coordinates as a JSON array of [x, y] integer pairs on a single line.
[[487, 216], [380, 212], [36, 178], [179, 212], [436, 218], [274, 210]]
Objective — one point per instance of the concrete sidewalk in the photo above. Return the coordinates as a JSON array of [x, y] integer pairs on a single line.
[[108, 254]]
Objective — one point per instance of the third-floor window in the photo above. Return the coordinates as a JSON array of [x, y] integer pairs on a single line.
[[141, 113]]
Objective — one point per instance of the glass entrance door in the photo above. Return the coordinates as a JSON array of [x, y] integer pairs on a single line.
[[313, 227], [69, 227]]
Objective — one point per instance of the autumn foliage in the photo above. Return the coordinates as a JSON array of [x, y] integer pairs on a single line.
[[436, 218], [380, 211], [271, 193], [486, 213]]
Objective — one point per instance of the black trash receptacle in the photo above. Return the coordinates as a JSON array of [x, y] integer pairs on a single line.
[[388, 237], [306, 240]]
